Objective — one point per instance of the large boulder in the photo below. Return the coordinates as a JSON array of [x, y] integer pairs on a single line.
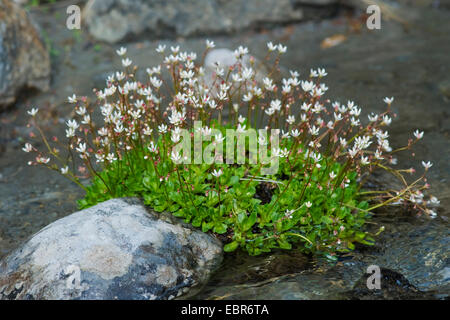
[[24, 59], [117, 20], [114, 250]]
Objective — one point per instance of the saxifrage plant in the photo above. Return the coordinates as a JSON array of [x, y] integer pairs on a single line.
[[315, 199]]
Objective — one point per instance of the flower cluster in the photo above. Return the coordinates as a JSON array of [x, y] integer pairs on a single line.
[[327, 150]]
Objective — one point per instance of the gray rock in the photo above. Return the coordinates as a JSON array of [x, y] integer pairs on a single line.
[[421, 254], [114, 250], [117, 20], [24, 60]]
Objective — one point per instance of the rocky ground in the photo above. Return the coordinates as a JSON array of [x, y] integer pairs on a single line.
[[408, 61]]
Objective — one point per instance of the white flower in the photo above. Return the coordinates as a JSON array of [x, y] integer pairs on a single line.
[[433, 201], [387, 120], [110, 157], [42, 160], [286, 89], [241, 128], [120, 76], [362, 142], [305, 106], [240, 52], [307, 86], [418, 134], [175, 137], [219, 137], [247, 97], [353, 152], [294, 74], [354, 122], [175, 157], [308, 204], [282, 49], [65, 170], [427, 165], [161, 48], [280, 153], [241, 119], [378, 155], [28, 147], [175, 49], [269, 111], [313, 73], [122, 51], [337, 116], [33, 111], [289, 213], [321, 72], [81, 111], [290, 119], [152, 147], [119, 128], [81, 148], [210, 44], [126, 62], [206, 131], [388, 100], [316, 156], [271, 46], [364, 160], [314, 130], [343, 141], [222, 96], [247, 73], [100, 158], [373, 117], [332, 175], [216, 173], [212, 104], [147, 131], [162, 128], [70, 133], [72, 124], [355, 111], [72, 99], [156, 82], [295, 133], [275, 104], [268, 84], [86, 119]]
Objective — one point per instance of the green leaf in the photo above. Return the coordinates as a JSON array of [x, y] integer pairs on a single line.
[[206, 226], [220, 228], [250, 221], [234, 180], [229, 247]]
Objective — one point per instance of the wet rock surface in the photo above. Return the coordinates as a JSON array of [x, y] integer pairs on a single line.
[[115, 250], [117, 20], [24, 60], [410, 64]]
